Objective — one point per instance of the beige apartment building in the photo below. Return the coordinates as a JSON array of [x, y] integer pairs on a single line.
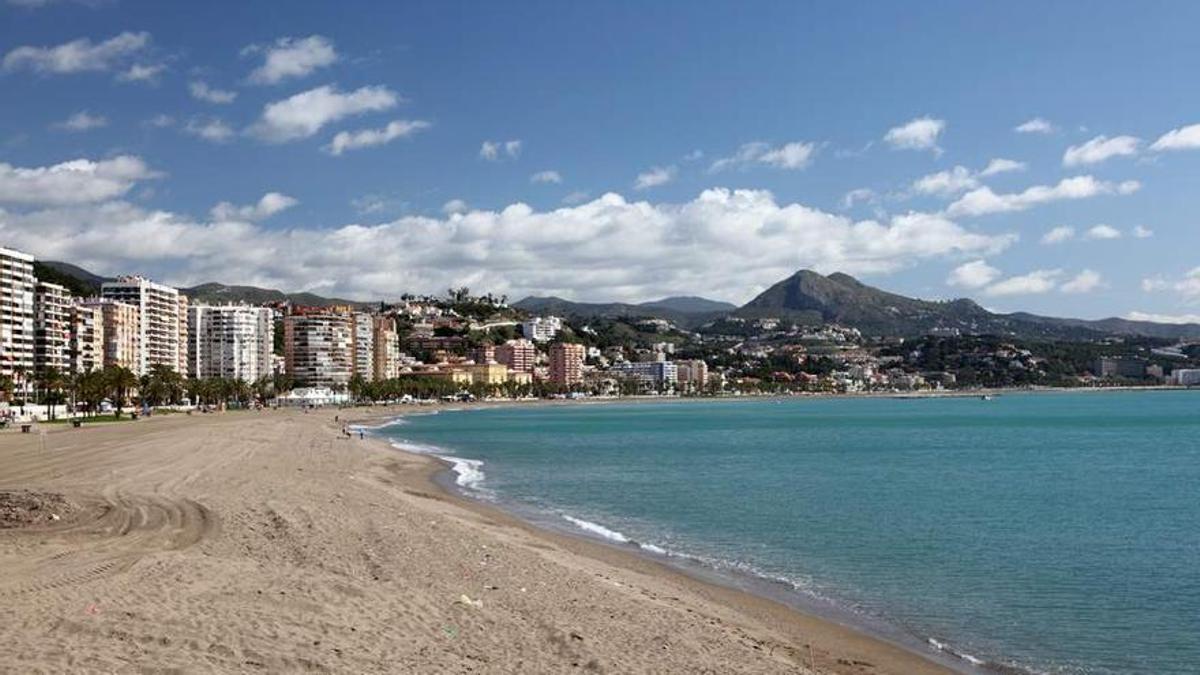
[[16, 314], [519, 355], [566, 363], [319, 349], [120, 327], [86, 347], [159, 320], [387, 348]]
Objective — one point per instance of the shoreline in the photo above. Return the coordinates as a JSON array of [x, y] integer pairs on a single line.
[[759, 598]]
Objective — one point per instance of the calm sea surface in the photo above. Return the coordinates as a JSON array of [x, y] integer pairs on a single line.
[[1057, 532]]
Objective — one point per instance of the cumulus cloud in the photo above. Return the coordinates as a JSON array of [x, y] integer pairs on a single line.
[[304, 114], [365, 138], [267, 206], [1183, 138], [547, 176], [78, 56], [142, 72], [1163, 318], [493, 151], [576, 197], [1188, 286], [1037, 281], [82, 121], [795, 155], [921, 133], [975, 274], [1001, 165], [1102, 232], [1084, 282], [201, 91], [655, 176], [78, 181], [212, 129], [1058, 235], [730, 243], [857, 195], [946, 183], [1036, 125], [291, 57], [983, 201], [1099, 149], [1142, 232], [455, 206]]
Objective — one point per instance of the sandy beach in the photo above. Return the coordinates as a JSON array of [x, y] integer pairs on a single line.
[[267, 541]]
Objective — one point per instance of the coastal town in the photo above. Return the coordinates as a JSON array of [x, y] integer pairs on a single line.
[[139, 342]]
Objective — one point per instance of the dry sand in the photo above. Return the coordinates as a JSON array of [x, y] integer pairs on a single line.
[[245, 542]]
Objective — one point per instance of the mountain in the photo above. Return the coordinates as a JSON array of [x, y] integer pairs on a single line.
[[84, 283], [686, 311], [808, 297]]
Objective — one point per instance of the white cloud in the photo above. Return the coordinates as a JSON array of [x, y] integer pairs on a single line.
[[658, 175], [1188, 286], [1038, 281], [794, 155], [213, 129], [455, 206], [1099, 149], [983, 201], [547, 176], [203, 92], [267, 206], [77, 56], [304, 114], [1163, 318], [864, 195], [364, 138], [494, 150], [576, 197], [694, 156], [730, 243], [1142, 232], [1084, 282], [82, 121], [141, 72], [1001, 165], [78, 181], [1102, 232], [160, 121], [946, 183], [292, 57], [975, 274], [1058, 235], [921, 133], [1036, 125], [1183, 138]]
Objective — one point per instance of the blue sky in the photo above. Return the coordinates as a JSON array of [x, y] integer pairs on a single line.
[[613, 150]]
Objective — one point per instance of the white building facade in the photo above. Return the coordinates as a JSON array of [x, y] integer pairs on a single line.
[[230, 341], [51, 328], [16, 314], [160, 325]]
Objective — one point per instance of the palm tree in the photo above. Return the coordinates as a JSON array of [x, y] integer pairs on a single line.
[[6, 387], [120, 381], [51, 381]]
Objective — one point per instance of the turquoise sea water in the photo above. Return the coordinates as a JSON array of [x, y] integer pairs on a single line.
[[1055, 532]]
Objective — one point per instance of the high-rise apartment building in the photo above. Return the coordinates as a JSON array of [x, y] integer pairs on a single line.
[[566, 363], [230, 341], [319, 349], [541, 328], [159, 320], [483, 354], [86, 347], [121, 329], [364, 345], [387, 348], [518, 355], [16, 314], [51, 328]]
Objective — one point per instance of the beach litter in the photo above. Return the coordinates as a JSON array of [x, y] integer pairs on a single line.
[[465, 599]]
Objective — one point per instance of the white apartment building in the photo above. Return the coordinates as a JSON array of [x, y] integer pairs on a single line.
[[541, 328], [16, 314], [51, 328], [86, 347], [230, 341], [364, 346], [160, 323], [319, 349]]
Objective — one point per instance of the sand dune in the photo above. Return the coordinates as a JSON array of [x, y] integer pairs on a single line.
[[267, 542]]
